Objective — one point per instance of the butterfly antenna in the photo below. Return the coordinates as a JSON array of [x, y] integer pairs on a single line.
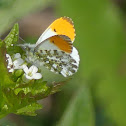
[[22, 39]]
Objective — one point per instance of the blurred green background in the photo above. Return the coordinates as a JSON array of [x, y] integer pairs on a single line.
[[96, 94]]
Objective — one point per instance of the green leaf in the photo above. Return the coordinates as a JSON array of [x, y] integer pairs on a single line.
[[12, 40], [1, 42], [12, 37], [39, 87], [29, 110], [80, 110], [15, 96], [4, 77]]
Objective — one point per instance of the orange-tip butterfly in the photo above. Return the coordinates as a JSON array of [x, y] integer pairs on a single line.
[[54, 49]]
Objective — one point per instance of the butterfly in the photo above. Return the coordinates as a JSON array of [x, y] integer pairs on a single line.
[[54, 49]]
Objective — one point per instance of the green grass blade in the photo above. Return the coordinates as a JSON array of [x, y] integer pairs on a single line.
[[80, 110]]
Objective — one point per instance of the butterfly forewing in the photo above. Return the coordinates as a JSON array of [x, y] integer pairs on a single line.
[[61, 26], [57, 42]]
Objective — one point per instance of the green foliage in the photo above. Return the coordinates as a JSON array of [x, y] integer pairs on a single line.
[[11, 40], [6, 3], [101, 42], [4, 78], [29, 110], [79, 111], [16, 96]]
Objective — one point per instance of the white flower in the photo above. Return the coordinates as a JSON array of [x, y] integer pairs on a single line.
[[17, 55], [16, 64], [31, 73], [10, 63]]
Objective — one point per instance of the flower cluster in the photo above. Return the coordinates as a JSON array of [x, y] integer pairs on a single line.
[[16, 62]]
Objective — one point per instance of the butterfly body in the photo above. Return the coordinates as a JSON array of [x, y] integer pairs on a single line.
[[54, 50]]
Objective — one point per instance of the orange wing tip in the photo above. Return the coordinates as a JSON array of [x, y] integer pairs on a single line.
[[68, 19], [64, 26]]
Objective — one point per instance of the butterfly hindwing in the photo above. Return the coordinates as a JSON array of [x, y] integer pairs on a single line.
[[58, 62]]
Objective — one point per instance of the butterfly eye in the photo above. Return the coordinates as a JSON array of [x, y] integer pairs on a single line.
[[54, 30]]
